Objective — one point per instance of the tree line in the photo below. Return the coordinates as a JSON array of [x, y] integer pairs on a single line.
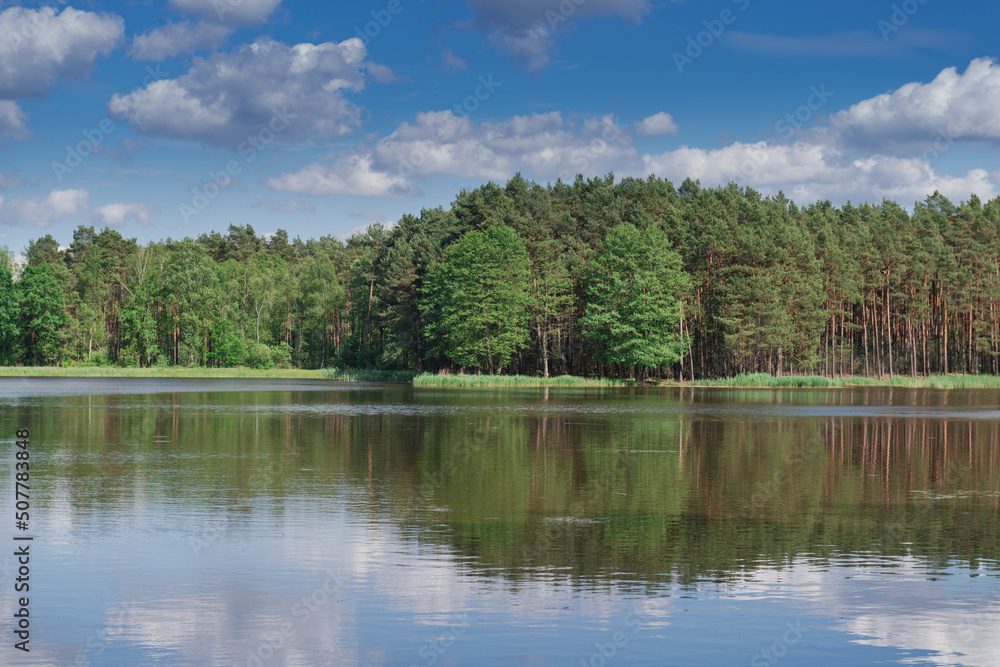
[[596, 277]]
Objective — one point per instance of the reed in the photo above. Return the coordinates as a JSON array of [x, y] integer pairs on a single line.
[[366, 375], [156, 372], [431, 380]]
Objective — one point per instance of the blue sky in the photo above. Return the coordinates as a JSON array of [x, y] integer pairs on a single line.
[[169, 118]]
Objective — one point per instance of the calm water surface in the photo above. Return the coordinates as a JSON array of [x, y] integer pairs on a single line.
[[261, 522]]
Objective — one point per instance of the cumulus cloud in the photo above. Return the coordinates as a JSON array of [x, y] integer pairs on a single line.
[[117, 214], [886, 146], [12, 121], [811, 172], [655, 125], [179, 38], [227, 97], [439, 142], [228, 12], [524, 28], [40, 46], [351, 175], [57, 205], [546, 144], [954, 107]]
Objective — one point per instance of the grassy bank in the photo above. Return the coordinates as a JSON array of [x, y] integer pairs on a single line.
[[366, 375], [753, 380], [764, 380], [431, 380], [157, 372]]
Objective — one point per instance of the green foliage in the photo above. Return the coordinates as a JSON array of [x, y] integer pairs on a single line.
[[9, 317], [258, 355], [478, 299], [634, 289], [281, 355], [6, 259], [226, 348], [42, 315], [852, 291]]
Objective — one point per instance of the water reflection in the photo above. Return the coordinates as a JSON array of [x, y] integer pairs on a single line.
[[185, 525]]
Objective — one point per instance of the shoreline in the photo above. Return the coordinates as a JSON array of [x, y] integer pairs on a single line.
[[433, 381]]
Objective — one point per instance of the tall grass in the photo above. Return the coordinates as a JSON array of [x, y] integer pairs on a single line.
[[764, 380], [751, 380], [366, 375], [431, 380], [948, 382], [156, 372]]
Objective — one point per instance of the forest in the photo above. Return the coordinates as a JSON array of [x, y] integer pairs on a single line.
[[634, 278]]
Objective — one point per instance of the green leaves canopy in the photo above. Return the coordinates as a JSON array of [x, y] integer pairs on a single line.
[[477, 299], [634, 286]]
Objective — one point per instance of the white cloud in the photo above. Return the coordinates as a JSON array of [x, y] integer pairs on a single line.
[[40, 46], [452, 63], [811, 172], [953, 107], [524, 28], [228, 12], [12, 121], [117, 214], [179, 38], [546, 144], [225, 98], [9, 180], [887, 146], [350, 175], [439, 142], [58, 205], [655, 125]]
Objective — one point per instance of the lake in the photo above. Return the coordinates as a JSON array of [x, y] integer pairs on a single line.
[[274, 522]]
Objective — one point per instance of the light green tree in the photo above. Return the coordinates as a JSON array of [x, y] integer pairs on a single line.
[[634, 285], [9, 330], [478, 299], [42, 314]]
